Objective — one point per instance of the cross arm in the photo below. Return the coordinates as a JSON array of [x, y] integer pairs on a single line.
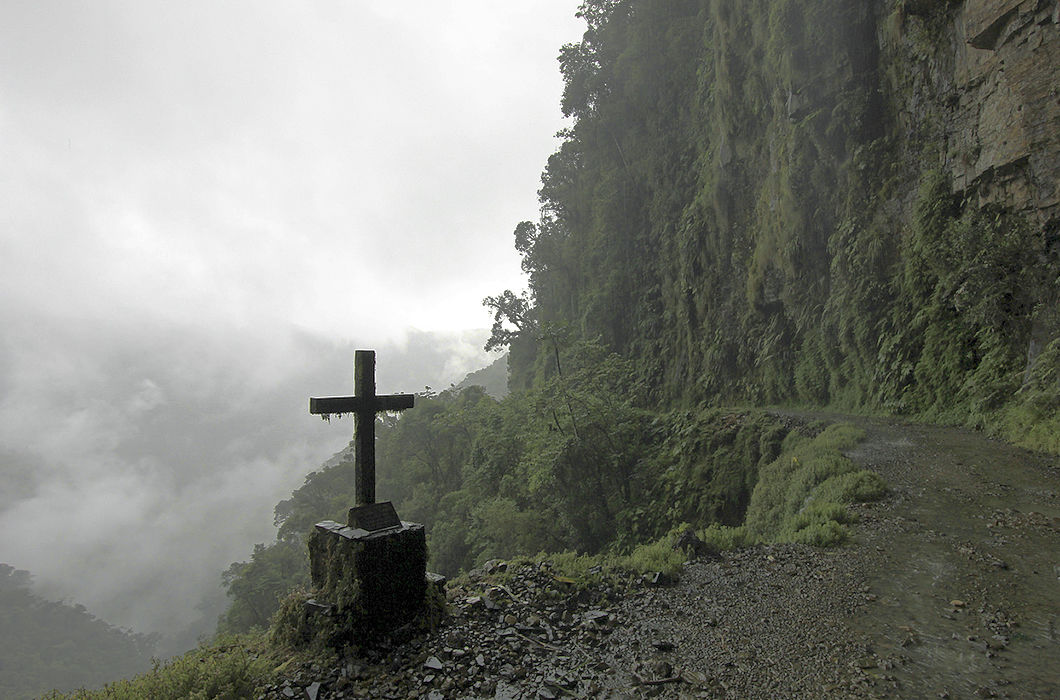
[[355, 404]]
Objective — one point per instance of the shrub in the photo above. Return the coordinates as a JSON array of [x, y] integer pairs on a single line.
[[800, 497], [229, 668], [723, 537], [659, 555]]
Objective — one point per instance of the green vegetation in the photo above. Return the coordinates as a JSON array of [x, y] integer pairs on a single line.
[[662, 555], [577, 468], [578, 463], [46, 645], [1035, 416], [257, 587], [228, 668], [800, 497], [745, 207]]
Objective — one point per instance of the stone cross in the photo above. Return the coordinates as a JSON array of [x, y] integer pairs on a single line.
[[364, 404]]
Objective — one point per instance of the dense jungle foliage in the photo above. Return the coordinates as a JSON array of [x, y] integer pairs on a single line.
[[573, 464], [576, 464], [742, 212], [740, 208], [48, 645]]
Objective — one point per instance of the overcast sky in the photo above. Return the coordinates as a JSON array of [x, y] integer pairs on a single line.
[[338, 165], [205, 206]]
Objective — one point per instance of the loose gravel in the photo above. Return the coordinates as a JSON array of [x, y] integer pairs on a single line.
[[948, 588]]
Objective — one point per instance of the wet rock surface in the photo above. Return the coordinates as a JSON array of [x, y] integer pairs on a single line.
[[965, 566], [755, 623], [949, 588]]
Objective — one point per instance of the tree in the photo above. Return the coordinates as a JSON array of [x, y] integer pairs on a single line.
[[257, 587], [514, 310]]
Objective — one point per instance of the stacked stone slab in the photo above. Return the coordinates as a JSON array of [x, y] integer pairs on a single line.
[[368, 582]]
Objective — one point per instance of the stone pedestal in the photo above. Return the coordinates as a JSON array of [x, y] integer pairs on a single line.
[[372, 582]]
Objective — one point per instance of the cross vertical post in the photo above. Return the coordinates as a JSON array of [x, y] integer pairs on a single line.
[[364, 427], [364, 404]]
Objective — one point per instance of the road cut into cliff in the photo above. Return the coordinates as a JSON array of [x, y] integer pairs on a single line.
[[948, 587]]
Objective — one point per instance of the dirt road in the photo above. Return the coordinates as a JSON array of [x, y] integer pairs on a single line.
[[966, 570], [949, 588]]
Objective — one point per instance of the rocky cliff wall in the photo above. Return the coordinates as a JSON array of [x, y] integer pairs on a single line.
[[982, 81], [847, 203], [1001, 101]]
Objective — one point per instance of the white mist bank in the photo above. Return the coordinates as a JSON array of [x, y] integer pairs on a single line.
[[138, 463]]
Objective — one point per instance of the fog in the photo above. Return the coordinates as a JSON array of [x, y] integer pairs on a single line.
[[139, 462], [207, 207]]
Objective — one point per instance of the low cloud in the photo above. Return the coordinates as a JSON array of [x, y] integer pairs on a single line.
[[144, 464], [207, 207]]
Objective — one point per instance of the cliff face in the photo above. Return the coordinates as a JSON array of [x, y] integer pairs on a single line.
[[1002, 140], [851, 203], [980, 85], [998, 86], [988, 93]]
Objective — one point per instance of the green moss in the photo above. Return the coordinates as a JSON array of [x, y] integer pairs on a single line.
[[334, 569], [372, 584]]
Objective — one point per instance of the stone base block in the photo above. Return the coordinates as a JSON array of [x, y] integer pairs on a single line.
[[374, 581]]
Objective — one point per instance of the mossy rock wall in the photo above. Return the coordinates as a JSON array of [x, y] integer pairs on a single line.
[[845, 203]]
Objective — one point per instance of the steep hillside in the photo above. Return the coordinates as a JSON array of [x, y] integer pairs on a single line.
[[494, 378], [841, 203], [46, 644]]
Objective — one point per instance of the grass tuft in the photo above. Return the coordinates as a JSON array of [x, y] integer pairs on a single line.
[[228, 668], [801, 496]]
